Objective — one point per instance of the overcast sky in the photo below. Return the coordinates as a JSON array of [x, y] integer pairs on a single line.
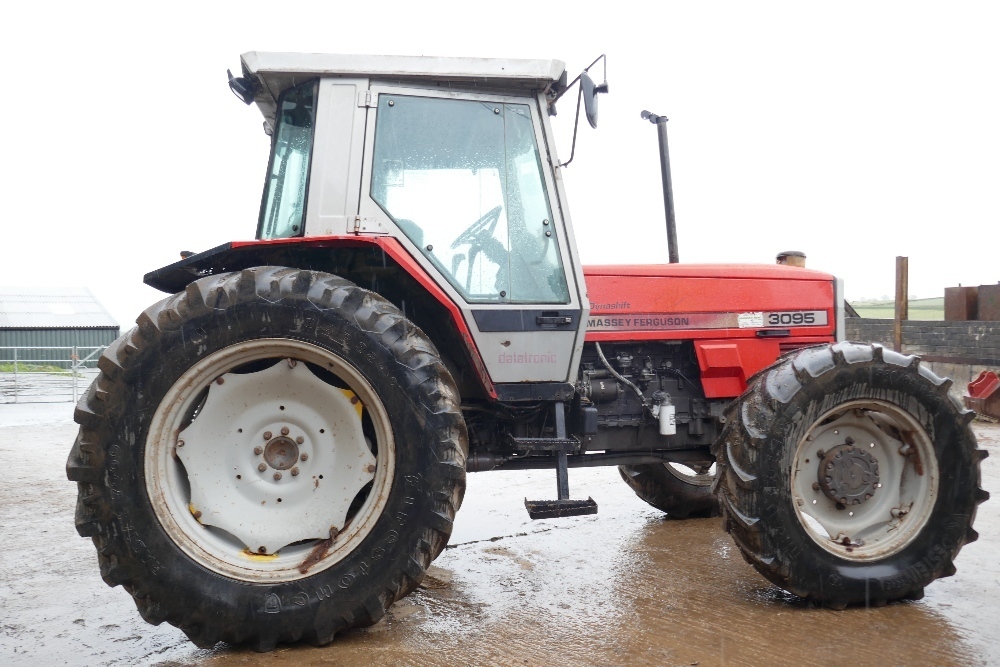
[[854, 131]]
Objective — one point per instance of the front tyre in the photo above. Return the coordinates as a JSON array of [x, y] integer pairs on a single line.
[[271, 455], [683, 491], [848, 474]]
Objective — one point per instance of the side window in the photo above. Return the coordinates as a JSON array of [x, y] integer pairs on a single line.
[[282, 213], [462, 179]]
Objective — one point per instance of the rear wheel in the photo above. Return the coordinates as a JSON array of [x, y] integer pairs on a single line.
[[682, 490], [270, 456], [849, 475]]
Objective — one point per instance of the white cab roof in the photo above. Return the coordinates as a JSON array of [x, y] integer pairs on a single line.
[[275, 72]]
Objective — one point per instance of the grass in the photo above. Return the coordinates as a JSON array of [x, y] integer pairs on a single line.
[[8, 367], [920, 309]]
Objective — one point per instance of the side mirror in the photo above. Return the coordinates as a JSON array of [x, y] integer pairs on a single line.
[[242, 87], [589, 92]]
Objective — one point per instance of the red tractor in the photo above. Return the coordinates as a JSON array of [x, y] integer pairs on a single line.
[[277, 450]]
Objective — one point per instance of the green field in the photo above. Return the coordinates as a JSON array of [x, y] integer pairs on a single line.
[[8, 367], [920, 309]]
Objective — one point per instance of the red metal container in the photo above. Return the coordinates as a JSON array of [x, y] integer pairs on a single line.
[[984, 394]]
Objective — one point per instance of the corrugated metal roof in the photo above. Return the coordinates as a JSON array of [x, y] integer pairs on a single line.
[[51, 308]]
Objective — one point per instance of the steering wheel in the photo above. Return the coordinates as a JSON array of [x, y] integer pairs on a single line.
[[480, 229], [479, 236]]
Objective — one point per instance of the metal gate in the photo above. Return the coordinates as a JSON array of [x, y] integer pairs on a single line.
[[47, 374]]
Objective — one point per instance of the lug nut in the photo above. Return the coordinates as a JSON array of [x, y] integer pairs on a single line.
[[300, 440], [295, 471], [258, 450], [262, 467], [284, 430], [277, 476], [180, 443], [304, 457], [267, 435], [262, 550], [219, 381], [815, 486], [371, 467]]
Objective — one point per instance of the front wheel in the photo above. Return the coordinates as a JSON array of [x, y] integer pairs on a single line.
[[848, 474], [271, 455], [682, 490]]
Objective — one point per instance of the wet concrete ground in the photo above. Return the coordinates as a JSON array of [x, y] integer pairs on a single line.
[[622, 587]]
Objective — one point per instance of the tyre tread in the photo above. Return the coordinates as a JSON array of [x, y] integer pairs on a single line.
[[741, 493], [427, 377]]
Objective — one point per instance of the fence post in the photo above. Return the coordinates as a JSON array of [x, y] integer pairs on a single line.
[[15, 375], [902, 303], [73, 362]]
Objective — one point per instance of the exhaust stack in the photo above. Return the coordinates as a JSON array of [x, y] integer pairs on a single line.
[[668, 191]]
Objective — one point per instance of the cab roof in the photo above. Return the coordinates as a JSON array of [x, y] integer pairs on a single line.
[[275, 72]]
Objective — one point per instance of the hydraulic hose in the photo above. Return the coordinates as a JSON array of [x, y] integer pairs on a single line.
[[619, 377]]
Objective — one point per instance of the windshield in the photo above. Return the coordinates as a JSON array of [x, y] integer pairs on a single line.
[[462, 179], [282, 213]]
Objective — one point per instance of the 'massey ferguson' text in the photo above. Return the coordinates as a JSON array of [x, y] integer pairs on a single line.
[[664, 321]]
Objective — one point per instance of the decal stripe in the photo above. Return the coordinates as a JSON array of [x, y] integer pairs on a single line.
[[673, 321]]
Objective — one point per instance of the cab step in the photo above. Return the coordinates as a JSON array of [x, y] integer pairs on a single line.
[[554, 509]]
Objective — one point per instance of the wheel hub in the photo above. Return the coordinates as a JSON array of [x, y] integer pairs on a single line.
[[252, 428], [848, 475], [281, 453]]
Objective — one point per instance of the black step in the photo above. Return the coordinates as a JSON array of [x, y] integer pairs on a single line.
[[554, 509]]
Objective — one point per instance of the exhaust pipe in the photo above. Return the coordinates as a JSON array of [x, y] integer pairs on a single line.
[[668, 191]]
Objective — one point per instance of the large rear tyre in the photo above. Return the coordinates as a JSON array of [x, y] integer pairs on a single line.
[[271, 455], [848, 475], [683, 491]]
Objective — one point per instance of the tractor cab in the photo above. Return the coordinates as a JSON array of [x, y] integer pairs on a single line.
[[450, 158]]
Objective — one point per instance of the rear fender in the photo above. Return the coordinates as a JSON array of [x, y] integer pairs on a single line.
[[378, 263]]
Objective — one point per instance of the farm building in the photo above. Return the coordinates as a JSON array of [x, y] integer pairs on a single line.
[[52, 317]]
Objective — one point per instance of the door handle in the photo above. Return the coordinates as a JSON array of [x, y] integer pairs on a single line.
[[549, 320]]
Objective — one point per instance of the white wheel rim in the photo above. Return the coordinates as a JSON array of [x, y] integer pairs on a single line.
[[887, 473], [690, 475], [204, 481]]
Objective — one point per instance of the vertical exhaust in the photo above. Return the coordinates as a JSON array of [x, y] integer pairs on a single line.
[[668, 191]]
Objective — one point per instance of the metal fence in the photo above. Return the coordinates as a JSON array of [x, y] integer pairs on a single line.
[[47, 374]]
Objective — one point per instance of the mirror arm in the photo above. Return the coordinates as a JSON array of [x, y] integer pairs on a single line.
[[603, 57], [565, 90], [577, 79], [576, 124]]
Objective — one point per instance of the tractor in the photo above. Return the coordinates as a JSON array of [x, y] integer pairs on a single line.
[[277, 450]]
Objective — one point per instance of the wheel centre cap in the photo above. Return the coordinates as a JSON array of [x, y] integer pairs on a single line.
[[281, 453], [848, 475]]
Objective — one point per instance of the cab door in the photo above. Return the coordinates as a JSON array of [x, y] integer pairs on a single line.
[[459, 179]]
